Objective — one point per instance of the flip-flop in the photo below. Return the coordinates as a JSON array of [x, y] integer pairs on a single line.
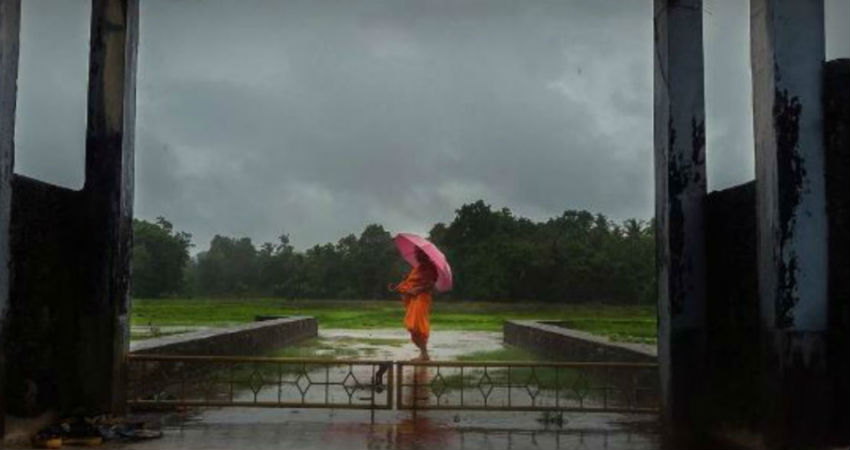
[[88, 441], [46, 441], [139, 434]]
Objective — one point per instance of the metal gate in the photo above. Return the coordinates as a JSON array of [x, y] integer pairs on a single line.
[[169, 381], [527, 386]]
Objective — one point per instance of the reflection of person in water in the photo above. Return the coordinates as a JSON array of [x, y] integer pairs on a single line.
[[415, 292], [419, 430]]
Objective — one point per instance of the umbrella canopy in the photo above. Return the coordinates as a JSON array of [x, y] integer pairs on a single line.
[[407, 243]]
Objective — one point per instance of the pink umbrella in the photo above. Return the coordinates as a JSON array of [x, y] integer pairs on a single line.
[[407, 243]]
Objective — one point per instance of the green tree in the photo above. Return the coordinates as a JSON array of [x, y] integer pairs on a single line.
[[574, 257], [376, 263], [160, 256], [228, 267], [276, 265]]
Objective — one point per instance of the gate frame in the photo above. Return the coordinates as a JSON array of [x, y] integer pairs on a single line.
[[394, 386]]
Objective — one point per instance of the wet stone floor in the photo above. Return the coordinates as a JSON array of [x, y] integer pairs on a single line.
[[267, 428]]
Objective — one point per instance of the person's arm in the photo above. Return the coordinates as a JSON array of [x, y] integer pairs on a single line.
[[424, 283], [409, 283], [414, 290]]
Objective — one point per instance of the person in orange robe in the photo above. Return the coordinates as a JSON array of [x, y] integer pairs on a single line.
[[415, 292]]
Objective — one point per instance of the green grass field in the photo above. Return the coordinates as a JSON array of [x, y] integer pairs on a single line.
[[627, 323]]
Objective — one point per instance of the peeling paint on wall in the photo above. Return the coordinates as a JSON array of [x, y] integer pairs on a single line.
[[697, 147], [791, 174], [676, 184], [683, 173]]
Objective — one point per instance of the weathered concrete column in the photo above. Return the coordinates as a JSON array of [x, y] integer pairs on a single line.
[[837, 136], [680, 190], [787, 54], [10, 22], [104, 330]]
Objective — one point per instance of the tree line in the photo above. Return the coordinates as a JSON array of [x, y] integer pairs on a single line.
[[495, 255]]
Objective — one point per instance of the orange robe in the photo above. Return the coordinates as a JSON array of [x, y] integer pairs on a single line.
[[418, 305]]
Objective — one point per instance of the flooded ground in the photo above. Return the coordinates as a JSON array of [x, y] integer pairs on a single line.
[[350, 430], [394, 344], [262, 428]]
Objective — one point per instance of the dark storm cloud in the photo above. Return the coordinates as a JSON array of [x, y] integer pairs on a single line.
[[318, 117]]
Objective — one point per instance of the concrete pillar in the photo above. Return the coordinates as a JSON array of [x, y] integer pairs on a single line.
[[680, 190], [10, 21], [787, 55], [837, 131], [109, 198]]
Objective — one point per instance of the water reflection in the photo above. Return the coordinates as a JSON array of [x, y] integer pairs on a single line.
[[350, 430], [424, 433], [522, 439], [418, 430]]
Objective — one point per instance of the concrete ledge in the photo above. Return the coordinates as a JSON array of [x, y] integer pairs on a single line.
[[242, 340], [573, 345]]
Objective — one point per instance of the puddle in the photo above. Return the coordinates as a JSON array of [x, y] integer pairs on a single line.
[[268, 429], [394, 344]]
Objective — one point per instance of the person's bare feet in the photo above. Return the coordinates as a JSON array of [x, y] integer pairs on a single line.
[[422, 357]]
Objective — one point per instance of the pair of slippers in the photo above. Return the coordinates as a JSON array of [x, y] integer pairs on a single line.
[[56, 436], [83, 432]]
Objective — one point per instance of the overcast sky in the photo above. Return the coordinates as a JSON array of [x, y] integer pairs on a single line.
[[317, 117]]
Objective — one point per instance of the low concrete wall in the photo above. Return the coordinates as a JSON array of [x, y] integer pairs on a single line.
[[573, 345], [50, 303], [249, 339]]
